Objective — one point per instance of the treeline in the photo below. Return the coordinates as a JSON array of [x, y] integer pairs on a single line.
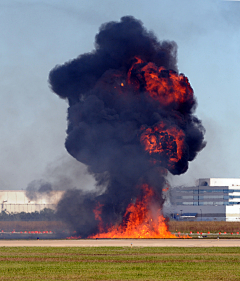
[[44, 215]]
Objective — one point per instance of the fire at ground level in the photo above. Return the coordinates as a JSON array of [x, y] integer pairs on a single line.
[[37, 235]]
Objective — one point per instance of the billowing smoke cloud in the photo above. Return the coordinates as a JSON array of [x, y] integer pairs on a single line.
[[38, 189], [130, 119]]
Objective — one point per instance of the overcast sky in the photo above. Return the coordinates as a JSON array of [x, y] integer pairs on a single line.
[[37, 35]]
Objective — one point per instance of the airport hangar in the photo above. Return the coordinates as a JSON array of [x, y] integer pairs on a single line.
[[211, 199]]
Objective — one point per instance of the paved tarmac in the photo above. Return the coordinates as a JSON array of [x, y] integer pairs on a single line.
[[123, 243]]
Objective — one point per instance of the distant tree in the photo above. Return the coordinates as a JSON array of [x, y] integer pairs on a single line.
[[44, 215]]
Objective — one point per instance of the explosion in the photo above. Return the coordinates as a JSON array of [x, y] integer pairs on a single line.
[[164, 142], [130, 120], [143, 219]]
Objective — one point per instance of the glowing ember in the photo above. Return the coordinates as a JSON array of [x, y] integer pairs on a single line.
[[142, 219]]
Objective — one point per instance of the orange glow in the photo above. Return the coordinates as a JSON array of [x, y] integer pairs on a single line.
[[142, 219], [130, 80], [73, 237], [166, 142], [97, 212], [168, 90], [166, 86]]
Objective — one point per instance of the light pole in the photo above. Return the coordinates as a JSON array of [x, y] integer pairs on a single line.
[[4, 201], [201, 214]]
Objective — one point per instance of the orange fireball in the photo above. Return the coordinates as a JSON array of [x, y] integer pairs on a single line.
[[165, 143], [166, 86]]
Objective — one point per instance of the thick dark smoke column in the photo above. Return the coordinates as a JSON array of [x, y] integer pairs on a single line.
[[106, 117]]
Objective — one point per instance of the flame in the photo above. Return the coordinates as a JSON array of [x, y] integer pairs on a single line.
[[142, 219], [166, 86], [166, 143], [97, 212]]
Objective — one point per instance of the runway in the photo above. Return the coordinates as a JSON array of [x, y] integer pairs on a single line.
[[123, 243]]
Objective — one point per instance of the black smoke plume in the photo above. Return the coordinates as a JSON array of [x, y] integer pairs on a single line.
[[106, 117]]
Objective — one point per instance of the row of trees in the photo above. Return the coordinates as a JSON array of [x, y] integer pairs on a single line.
[[44, 215]]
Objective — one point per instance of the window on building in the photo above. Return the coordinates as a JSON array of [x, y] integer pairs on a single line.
[[204, 183]]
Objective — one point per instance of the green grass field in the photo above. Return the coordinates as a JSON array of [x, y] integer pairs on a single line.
[[119, 263]]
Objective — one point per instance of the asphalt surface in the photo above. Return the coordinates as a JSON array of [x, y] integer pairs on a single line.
[[123, 243]]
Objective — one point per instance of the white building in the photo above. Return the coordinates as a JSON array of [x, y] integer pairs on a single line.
[[211, 199], [16, 201]]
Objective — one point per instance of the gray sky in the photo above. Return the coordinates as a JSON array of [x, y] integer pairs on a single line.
[[37, 35]]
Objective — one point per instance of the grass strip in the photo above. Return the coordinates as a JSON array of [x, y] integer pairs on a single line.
[[119, 263]]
